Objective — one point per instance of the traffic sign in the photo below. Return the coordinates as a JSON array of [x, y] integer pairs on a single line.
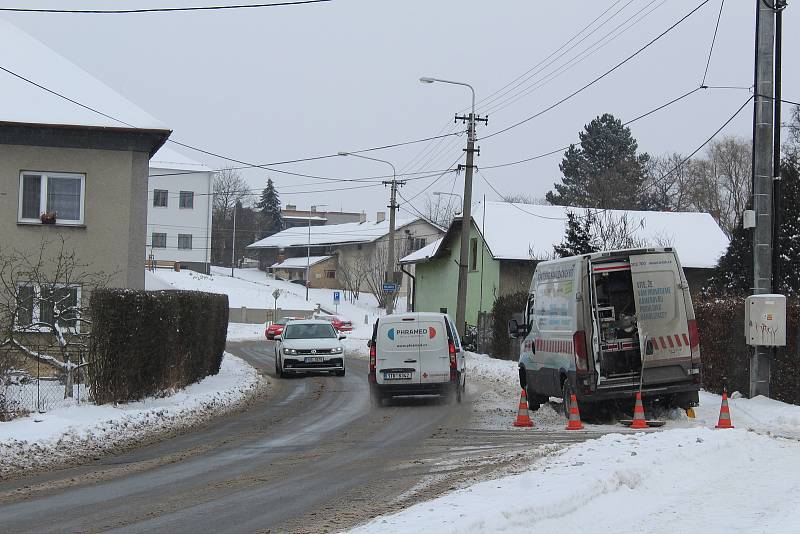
[[389, 287], [337, 297]]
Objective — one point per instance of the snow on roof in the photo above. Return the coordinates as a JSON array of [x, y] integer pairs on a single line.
[[329, 234], [518, 231], [168, 159], [26, 103], [423, 254], [300, 262], [303, 218]]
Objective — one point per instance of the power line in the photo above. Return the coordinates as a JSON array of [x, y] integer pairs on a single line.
[[157, 9], [499, 194], [600, 77], [439, 177], [713, 40]]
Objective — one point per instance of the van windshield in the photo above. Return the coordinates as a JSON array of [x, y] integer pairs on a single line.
[[309, 331]]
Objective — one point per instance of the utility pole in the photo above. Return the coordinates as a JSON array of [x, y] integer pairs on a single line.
[[466, 210], [233, 241], [763, 175], [391, 260]]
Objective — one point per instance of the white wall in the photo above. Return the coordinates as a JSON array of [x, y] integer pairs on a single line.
[[174, 220]]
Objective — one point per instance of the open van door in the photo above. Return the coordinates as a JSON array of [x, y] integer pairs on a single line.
[[660, 309]]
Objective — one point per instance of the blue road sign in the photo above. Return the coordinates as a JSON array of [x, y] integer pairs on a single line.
[[337, 297], [389, 287]]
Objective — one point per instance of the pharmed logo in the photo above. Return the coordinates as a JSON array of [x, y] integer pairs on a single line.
[[391, 334], [431, 332]]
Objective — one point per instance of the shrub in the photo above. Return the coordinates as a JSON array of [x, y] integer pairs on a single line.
[[145, 343], [726, 357], [502, 310]]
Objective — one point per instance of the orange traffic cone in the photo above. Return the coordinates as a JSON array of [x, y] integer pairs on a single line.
[[574, 422], [724, 412], [523, 419], [638, 413]]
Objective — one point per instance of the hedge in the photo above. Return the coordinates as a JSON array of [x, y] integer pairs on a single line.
[[504, 307], [145, 343], [726, 357]]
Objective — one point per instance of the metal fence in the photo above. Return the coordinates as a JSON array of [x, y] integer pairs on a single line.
[[31, 387]]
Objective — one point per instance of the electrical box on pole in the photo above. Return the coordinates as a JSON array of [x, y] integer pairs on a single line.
[[765, 320]]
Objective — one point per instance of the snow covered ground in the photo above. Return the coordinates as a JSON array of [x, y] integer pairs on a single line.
[[87, 431], [686, 477]]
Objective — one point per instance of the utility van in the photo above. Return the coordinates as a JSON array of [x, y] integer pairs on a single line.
[[601, 324], [415, 354]]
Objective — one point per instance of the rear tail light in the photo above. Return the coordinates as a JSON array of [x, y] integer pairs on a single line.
[[452, 348], [694, 338], [373, 353], [581, 355]]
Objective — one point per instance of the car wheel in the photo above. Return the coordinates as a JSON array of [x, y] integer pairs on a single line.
[[279, 368], [340, 373]]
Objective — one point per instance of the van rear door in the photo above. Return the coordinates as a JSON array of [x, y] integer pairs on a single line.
[[660, 308], [397, 353], [434, 353]]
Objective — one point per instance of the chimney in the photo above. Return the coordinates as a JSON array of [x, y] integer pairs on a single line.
[[291, 207], [362, 217], [313, 209], [381, 216]]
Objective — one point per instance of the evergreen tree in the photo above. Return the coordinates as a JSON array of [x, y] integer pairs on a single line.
[[578, 239], [734, 272], [269, 208], [604, 171]]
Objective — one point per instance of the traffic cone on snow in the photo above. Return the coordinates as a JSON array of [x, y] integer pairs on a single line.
[[574, 422], [724, 412], [523, 418], [638, 413]]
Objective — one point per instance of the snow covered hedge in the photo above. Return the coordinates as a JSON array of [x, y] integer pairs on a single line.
[[726, 357], [145, 343]]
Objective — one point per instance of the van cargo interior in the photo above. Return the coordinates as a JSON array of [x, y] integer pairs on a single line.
[[614, 311]]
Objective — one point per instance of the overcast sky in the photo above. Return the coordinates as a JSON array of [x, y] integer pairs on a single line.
[[275, 84]]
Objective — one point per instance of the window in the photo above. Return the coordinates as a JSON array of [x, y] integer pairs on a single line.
[[159, 240], [160, 198], [473, 254], [417, 243], [442, 310], [48, 305], [58, 193], [184, 241], [330, 274], [186, 200]]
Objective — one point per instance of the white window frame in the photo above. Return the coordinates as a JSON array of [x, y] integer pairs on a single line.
[[189, 194], [166, 197], [191, 241], [36, 312], [43, 176]]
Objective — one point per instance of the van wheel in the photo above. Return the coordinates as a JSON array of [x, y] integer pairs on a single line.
[[566, 394], [459, 388], [375, 397], [534, 400]]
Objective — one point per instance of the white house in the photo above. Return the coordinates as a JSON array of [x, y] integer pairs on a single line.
[[179, 201]]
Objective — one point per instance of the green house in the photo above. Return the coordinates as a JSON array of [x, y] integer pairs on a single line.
[[508, 239]]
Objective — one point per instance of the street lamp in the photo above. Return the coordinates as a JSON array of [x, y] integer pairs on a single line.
[[392, 206], [466, 210], [441, 193]]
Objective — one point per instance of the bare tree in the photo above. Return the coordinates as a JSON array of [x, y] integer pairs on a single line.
[[43, 304], [353, 275], [671, 182], [441, 212], [614, 232], [374, 269], [792, 145], [230, 189]]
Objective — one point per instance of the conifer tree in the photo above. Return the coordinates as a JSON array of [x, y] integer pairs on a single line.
[[578, 239], [269, 208]]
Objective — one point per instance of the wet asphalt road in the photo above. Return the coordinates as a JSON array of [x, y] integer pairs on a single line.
[[311, 456]]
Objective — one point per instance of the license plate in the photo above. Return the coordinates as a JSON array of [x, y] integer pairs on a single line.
[[397, 376], [314, 359]]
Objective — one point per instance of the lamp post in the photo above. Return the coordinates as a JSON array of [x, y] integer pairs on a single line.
[[392, 206], [466, 210]]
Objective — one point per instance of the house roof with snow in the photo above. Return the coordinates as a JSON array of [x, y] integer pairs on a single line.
[[168, 159], [300, 262], [333, 234], [514, 231], [25, 103]]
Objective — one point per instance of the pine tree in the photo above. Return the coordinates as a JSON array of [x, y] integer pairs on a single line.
[[604, 171], [578, 239], [269, 208], [734, 272]]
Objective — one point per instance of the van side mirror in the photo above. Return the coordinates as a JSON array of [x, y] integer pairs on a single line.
[[278, 337], [517, 327], [369, 343]]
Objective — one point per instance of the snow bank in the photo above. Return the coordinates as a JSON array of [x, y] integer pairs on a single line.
[[245, 332], [683, 480], [83, 431]]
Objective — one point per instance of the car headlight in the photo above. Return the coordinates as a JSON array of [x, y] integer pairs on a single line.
[[290, 352], [336, 350]]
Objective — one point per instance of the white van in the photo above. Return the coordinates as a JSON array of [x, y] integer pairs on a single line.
[[600, 324], [415, 354]]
